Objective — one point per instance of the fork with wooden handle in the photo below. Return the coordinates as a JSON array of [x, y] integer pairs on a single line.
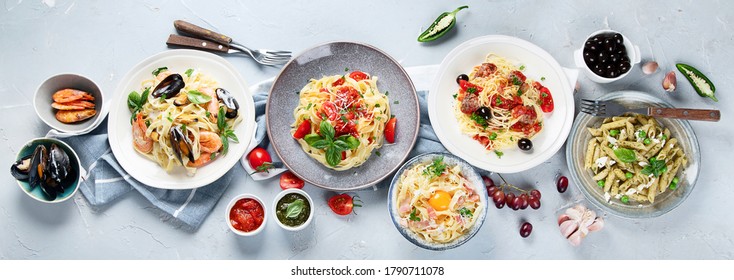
[[600, 108]]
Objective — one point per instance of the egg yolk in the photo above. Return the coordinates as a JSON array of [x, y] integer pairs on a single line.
[[440, 200]]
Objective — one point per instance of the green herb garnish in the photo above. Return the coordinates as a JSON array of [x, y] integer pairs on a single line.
[[225, 132], [493, 136], [471, 90], [498, 153], [436, 168], [136, 101], [478, 119], [542, 78], [455, 95], [522, 67], [333, 146], [656, 167], [466, 213], [498, 101], [625, 155], [396, 102], [198, 97], [189, 72], [414, 215], [294, 208], [614, 132], [159, 70]]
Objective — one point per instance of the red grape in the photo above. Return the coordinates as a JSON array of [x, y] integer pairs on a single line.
[[498, 196], [534, 202], [500, 204], [526, 229], [491, 190], [524, 201], [487, 181], [509, 198], [562, 184], [516, 203], [535, 193]]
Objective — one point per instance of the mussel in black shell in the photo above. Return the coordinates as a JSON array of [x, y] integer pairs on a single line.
[[20, 168], [169, 87], [58, 170], [229, 102], [182, 145]]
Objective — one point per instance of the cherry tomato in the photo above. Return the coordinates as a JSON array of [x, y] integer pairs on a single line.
[[303, 129], [464, 85], [358, 76], [338, 82], [260, 160], [288, 180], [329, 109], [390, 130], [546, 100], [342, 204]]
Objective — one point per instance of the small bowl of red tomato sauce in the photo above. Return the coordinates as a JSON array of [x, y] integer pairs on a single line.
[[246, 215]]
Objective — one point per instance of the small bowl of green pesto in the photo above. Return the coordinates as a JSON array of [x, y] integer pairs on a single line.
[[293, 209]]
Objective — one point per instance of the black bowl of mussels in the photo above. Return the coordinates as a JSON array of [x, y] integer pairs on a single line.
[[47, 169]]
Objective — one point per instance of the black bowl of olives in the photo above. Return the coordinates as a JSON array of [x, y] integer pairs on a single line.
[[607, 56]]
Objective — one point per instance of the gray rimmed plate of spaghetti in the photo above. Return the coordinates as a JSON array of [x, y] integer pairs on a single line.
[[343, 115]]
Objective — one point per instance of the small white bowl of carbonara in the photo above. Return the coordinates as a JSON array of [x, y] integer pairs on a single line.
[[437, 201]]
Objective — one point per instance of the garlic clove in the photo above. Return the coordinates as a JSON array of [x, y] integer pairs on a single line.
[[568, 227], [563, 218], [669, 82], [597, 225], [649, 67], [575, 238]]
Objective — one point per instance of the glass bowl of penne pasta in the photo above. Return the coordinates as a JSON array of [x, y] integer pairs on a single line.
[[632, 165]]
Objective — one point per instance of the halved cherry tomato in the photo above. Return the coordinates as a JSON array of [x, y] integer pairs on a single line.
[[465, 86], [303, 129], [358, 76], [338, 82], [342, 204], [288, 180], [329, 109], [344, 155], [390, 130], [260, 160], [546, 100]]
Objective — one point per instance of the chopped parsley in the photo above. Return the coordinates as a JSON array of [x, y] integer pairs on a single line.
[[378, 153], [159, 70], [396, 102], [377, 105], [189, 72], [436, 168], [387, 93], [309, 106], [522, 67], [208, 114], [471, 90], [346, 69], [344, 119], [455, 95], [478, 119], [498, 101], [414, 215], [516, 81], [544, 94], [498, 153], [466, 213], [493, 136], [542, 78]]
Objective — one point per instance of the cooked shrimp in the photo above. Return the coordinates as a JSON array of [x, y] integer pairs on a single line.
[[209, 142], [68, 95], [142, 142], [204, 159], [72, 116], [73, 105], [212, 106]]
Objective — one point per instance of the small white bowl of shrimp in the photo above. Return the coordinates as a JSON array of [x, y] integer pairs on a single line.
[[69, 103]]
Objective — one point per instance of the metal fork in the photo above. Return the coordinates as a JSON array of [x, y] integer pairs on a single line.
[[599, 108], [223, 43]]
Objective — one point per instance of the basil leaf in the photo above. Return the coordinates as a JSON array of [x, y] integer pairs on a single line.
[[232, 136], [311, 138], [220, 120], [320, 144], [198, 97], [647, 170], [225, 144], [159, 70], [341, 145], [353, 142], [625, 155], [133, 100], [188, 72], [327, 130], [333, 156], [144, 97], [294, 209]]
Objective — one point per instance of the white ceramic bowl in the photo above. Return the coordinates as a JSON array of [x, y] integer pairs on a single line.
[[538, 63], [633, 52], [310, 214], [229, 209], [43, 99], [36, 193]]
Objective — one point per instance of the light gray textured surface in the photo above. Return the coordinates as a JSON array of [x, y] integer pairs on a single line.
[[103, 40]]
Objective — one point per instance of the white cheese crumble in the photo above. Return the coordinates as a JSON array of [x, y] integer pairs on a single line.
[[611, 140], [607, 197], [600, 162], [642, 163], [612, 162], [630, 191]]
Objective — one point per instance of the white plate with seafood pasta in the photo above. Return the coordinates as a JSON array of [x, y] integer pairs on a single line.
[[181, 119]]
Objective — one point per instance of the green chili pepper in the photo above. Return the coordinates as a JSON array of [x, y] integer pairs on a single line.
[[440, 26], [703, 86]]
